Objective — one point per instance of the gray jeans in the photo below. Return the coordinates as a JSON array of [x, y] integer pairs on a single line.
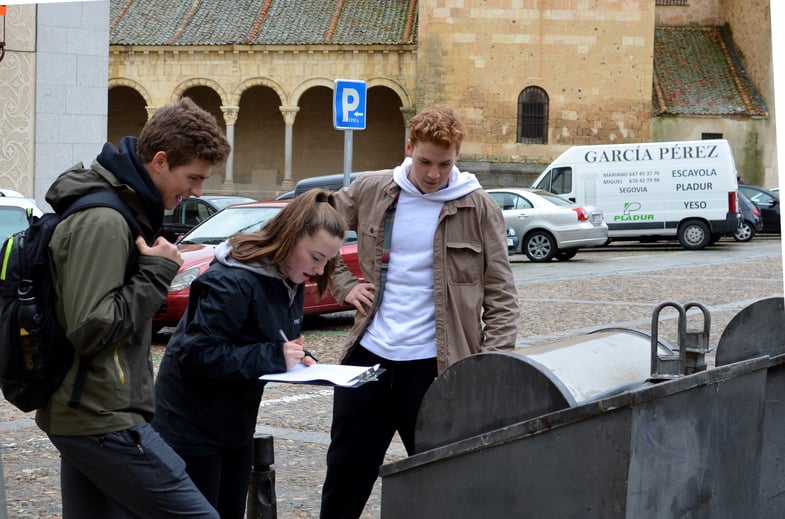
[[126, 474]]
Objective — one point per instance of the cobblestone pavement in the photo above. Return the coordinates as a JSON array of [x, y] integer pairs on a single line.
[[557, 300]]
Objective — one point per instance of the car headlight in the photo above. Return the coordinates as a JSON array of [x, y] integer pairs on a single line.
[[184, 279]]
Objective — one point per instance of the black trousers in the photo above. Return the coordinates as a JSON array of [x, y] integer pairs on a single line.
[[223, 478], [365, 419]]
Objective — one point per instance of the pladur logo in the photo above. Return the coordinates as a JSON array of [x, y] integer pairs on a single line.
[[630, 213]]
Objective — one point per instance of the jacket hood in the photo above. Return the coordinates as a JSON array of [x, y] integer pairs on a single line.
[[123, 172], [125, 165], [222, 256], [460, 183]]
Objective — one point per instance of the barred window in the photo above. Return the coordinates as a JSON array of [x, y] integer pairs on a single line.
[[533, 116], [671, 2]]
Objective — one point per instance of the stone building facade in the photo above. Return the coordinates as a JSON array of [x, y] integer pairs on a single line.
[[592, 61], [584, 67], [753, 139]]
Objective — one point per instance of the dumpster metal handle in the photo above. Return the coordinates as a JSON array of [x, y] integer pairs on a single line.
[[697, 341], [667, 367]]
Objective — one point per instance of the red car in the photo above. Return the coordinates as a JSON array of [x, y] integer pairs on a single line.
[[198, 248]]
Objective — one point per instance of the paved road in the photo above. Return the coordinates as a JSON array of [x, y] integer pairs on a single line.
[[614, 286], [727, 277], [631, 257]]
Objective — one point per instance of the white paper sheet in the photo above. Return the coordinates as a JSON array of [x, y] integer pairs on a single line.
[[327, 374]]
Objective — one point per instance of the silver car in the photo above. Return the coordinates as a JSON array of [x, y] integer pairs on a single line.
[[548, 226]]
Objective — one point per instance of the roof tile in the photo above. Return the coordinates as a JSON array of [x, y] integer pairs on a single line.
[[262, 22], [697, 72]]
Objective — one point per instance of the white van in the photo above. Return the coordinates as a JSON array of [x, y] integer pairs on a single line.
[[650, 191]]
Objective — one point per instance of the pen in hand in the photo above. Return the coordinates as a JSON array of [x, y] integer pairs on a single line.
[[286, 339]]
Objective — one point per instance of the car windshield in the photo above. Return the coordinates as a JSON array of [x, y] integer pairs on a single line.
[[12, 219], [226, 201], [759, 197], [230, 221]]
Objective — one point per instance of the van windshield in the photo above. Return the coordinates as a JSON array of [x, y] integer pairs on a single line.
[[558, 180]]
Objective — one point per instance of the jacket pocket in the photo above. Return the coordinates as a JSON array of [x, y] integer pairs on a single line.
[[367, 229], [464, 262]]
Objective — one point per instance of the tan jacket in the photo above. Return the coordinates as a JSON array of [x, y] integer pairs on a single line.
[[474, 289]]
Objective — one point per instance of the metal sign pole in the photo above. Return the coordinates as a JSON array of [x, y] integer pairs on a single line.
[[347, 156], [348, 114]]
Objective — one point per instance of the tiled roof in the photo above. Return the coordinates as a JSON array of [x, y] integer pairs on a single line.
[[697, 72], [263, 22]]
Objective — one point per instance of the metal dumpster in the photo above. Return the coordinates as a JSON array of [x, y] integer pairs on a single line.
[[707, 444], [491, 390]]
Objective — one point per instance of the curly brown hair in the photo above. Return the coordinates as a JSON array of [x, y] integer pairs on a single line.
[[439, 124], [185, 132], [306, 214]]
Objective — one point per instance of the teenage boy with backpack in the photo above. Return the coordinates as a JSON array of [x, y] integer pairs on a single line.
[[113, 463]]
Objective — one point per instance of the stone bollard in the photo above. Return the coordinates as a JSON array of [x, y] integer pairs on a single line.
[[261, 502]]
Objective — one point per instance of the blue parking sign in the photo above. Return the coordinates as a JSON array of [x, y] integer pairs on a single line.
[[349, 104]]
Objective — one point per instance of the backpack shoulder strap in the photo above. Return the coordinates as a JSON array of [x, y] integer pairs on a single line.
[[107, 198]]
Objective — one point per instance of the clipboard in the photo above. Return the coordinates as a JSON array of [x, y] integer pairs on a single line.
[[327, 375]]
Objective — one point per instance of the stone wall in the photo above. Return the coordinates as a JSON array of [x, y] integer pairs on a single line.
[[750, 24], [70, 87], [696, 12], [17, 101], [52, 92], [595, 63]]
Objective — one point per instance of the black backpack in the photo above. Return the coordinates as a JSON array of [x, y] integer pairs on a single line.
[[35, 354]]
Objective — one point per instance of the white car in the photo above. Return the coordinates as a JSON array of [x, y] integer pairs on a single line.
[[548, 226], [15, 212]]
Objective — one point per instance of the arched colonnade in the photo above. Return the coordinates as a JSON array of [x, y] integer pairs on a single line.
[[314, 150]]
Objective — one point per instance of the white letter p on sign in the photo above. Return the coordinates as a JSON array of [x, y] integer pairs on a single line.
[[350, 100]]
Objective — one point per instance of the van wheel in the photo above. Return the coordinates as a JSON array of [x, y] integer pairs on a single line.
[[694, 235], [745, 231], [540, 246], [566, 254]]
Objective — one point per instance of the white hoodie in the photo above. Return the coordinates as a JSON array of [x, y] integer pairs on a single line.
[[404, 328]]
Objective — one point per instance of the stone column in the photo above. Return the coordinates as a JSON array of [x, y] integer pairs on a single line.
[[289, 113], [408, 113], [230, 118]]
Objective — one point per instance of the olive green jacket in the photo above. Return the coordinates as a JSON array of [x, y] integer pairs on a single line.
[[107, 319]]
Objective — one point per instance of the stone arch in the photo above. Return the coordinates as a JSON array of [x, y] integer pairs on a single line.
[[130, 83], [406, 100], [310, 83], [178, 91], [259, 81]]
